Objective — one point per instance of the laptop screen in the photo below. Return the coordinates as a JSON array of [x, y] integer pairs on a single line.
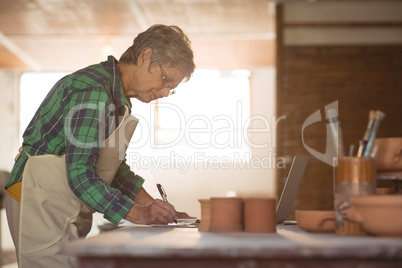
[[292, 184]]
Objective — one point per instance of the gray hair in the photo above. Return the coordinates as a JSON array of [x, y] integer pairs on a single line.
[[170, 46]]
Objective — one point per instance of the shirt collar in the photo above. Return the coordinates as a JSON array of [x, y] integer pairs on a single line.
[[116, 86]]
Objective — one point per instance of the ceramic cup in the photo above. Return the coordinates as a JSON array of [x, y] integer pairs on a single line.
[[226, 214], [205, 215], [353, 176], [260, 215]]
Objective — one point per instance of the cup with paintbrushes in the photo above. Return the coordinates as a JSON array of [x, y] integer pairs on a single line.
[[354, 175]]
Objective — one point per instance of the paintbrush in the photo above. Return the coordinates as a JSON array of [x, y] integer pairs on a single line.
[[379, 116], [363, 142], [336, 131]]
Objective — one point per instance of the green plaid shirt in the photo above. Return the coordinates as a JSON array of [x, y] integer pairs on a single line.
[[92, 101]]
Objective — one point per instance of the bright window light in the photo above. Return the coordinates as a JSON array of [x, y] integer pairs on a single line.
[[205, 118], [33, 89]]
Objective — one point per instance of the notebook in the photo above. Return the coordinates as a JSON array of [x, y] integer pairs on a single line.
[[292, 184]]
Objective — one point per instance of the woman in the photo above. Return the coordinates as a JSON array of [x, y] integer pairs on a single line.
[[71, 162]]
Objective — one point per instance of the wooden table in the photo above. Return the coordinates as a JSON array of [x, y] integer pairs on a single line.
[[152, 247]]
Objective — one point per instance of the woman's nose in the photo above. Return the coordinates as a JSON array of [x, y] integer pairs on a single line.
[[165, 91]]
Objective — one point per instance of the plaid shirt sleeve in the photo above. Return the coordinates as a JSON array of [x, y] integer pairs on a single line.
[[126, 181], [86, 127]]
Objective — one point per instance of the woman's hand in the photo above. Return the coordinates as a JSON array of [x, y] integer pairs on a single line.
[[157, 212], [184, 215]]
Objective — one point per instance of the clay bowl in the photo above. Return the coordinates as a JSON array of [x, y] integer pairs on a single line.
[[378, 214], [388, 153], [316, 221]]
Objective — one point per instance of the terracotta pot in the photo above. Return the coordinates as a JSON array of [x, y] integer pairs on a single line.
[[316, 221], [378, 214], [260, 215], [205, 215], [226, 214], [389, 153]]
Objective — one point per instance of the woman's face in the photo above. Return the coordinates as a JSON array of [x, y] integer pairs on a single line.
[[148, 84]]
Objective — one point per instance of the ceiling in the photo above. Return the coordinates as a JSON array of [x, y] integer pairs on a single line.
[[63, 35]]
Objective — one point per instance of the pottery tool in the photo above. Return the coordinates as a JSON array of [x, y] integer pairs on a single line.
[[363, 142], [378, 118], [163, 194], [335, 126]]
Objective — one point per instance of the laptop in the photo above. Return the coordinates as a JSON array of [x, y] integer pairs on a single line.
[[292, 184]]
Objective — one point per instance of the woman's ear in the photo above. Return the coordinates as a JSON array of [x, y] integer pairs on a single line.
[[144, 57]]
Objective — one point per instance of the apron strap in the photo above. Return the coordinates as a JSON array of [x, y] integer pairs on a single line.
[[20, 150], [126, 113]]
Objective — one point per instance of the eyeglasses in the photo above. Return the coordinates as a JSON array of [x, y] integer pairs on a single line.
[[167, 83]]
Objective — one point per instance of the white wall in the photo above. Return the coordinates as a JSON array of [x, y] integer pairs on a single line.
[[9, 111]]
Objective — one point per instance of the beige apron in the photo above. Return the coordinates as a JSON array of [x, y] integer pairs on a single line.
[[50, 213]]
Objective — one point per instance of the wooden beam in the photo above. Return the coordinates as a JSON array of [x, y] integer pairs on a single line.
[[139, 15], [278, 59], [344, 24], [233, 53], [19, 53]]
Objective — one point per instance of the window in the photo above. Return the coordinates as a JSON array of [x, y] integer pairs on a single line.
[[204, 119], [33, 89]]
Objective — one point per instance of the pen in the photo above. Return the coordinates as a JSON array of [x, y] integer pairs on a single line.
[[163, 194]]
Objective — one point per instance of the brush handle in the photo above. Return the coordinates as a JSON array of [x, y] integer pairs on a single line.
[[362, 147], [368, 130], [373, 134]]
